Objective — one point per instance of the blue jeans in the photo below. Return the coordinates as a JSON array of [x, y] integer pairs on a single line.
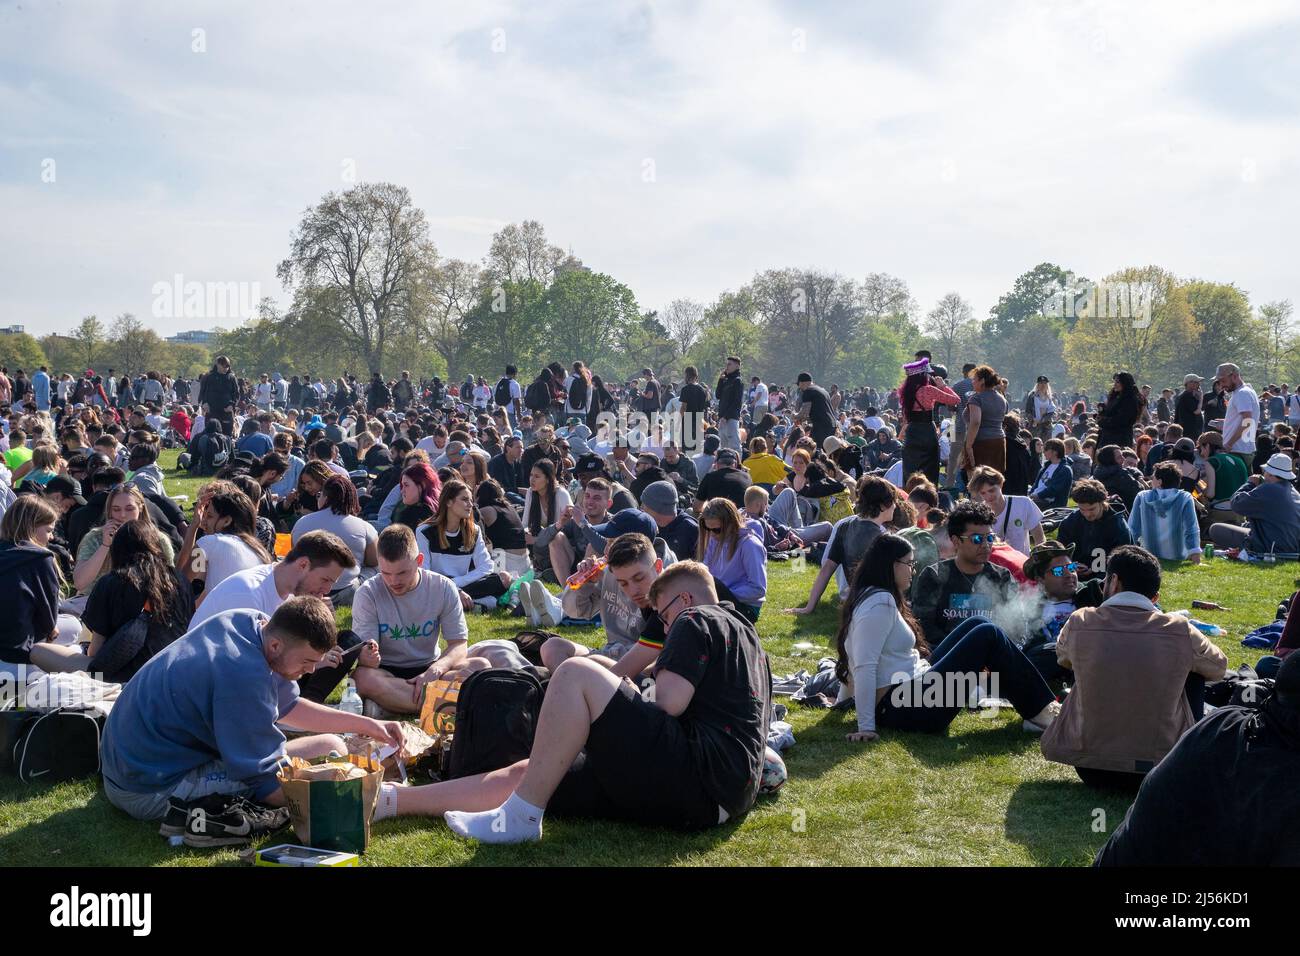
[[929, 703]]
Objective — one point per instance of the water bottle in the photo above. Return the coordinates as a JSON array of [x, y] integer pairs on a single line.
[[350, 703]]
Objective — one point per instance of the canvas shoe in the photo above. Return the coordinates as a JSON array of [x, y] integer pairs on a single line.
[[548, 614], [231, 821], [526, 599]]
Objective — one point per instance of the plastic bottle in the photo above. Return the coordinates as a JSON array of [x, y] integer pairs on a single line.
[[579, 578], [350, 703]]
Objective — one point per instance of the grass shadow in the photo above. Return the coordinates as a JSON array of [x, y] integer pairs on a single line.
[[1063, 822]]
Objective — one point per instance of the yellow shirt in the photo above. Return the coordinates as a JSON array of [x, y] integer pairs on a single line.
[[765, 469]]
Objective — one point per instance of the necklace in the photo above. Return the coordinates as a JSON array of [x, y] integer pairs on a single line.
[[969, 579]]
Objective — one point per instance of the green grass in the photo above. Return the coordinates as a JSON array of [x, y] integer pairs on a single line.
[[980, 795]]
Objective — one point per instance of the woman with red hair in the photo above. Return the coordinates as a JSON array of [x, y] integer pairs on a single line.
[[420, 490]]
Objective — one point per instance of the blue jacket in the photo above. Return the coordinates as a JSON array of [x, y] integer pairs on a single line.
[[1273, 508], [208, 696], [1056, 494], [1164, 522]]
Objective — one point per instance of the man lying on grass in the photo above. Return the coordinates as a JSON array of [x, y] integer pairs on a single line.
[[196, 727], [692, 758]]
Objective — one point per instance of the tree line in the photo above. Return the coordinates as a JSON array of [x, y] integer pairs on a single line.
[[368, 290]]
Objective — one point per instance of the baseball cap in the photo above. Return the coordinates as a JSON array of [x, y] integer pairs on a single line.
[[1227, 368], [68, 487], [1043, 379], [589, 464], [1192, 377], [661, 496], [728, 454], [833, 444], [627, 521]]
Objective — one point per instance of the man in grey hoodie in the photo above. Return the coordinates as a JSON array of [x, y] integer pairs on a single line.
[[1272, 505]]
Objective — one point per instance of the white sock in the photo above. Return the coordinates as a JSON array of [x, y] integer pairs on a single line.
[[515, 821], [386, 805]]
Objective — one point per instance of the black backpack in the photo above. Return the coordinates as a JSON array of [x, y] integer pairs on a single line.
[[496, 717], [538, 397], [502, 394], [578, 392], [57, 745]]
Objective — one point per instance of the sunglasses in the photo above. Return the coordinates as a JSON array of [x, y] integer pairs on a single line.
[[979, 538], [1060, 569]]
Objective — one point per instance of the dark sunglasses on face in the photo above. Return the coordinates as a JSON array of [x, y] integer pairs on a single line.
[[1060, 569], [990, 538]]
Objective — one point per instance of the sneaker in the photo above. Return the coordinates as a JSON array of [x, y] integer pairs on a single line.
[[231, 821], [545, 604], [173, 823], [526, 599], [1030, 727]]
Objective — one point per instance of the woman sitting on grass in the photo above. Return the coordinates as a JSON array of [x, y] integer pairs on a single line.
[[453, 546], [896, 680], [735, 554], [32, 621], [420, 488], [125, 503]]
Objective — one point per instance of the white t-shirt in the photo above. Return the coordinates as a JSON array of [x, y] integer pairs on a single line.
[[482, 395], [1018, 517], [223, 555], [250, 590], [264, 393], [1244, 405], [760, 394], [355, 532]]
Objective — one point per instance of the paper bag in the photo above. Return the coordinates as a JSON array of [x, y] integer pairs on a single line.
[[438, 710], [332, 814]]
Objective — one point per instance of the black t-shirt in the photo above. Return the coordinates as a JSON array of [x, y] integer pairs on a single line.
[[694, 398], [718, 651], [850, 541], [683, 536], [115, 601], [820, 414], [725, 483], [943, 597]]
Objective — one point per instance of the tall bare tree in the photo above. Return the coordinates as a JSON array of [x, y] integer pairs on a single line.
[[948, 322], [452, 289], [683, 320], [520, 253], [369, 244]]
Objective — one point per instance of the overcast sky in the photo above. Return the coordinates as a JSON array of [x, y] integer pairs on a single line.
[[678, 147]]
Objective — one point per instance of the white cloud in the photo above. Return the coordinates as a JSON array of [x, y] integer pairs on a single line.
[[955, 152]]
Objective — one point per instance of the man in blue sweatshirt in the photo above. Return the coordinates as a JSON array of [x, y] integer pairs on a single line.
[[193, 739], [1269, 501]]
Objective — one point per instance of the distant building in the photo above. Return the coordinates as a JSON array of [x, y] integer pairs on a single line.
[[13, 330], [195, 337]]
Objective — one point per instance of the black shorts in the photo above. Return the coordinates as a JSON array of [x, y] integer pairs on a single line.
[[637, 767], [405, 673]]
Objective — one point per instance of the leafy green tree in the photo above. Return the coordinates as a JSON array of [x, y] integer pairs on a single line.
[[19, 350], [809, 319], [1152, 348], [1280, 344], [585, 315], [1229, 332], [733, 335], [368, 245], [501, 330]]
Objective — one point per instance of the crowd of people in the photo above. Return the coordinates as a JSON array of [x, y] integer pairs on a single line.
[[984, 548]]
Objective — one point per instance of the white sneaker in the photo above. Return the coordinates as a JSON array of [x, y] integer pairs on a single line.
[[548, 615], [526, 599]]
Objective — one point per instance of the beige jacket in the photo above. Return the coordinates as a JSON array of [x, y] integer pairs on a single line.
[[1130, 663]]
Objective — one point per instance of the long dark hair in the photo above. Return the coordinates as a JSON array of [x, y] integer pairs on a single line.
[[875, 572], [911, 385], [547, 468], [137, 556]]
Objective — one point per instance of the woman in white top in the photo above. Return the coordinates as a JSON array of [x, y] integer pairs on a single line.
[[228, 519], [338, 514], [1042, 408], [455, 547], [897, 681]]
